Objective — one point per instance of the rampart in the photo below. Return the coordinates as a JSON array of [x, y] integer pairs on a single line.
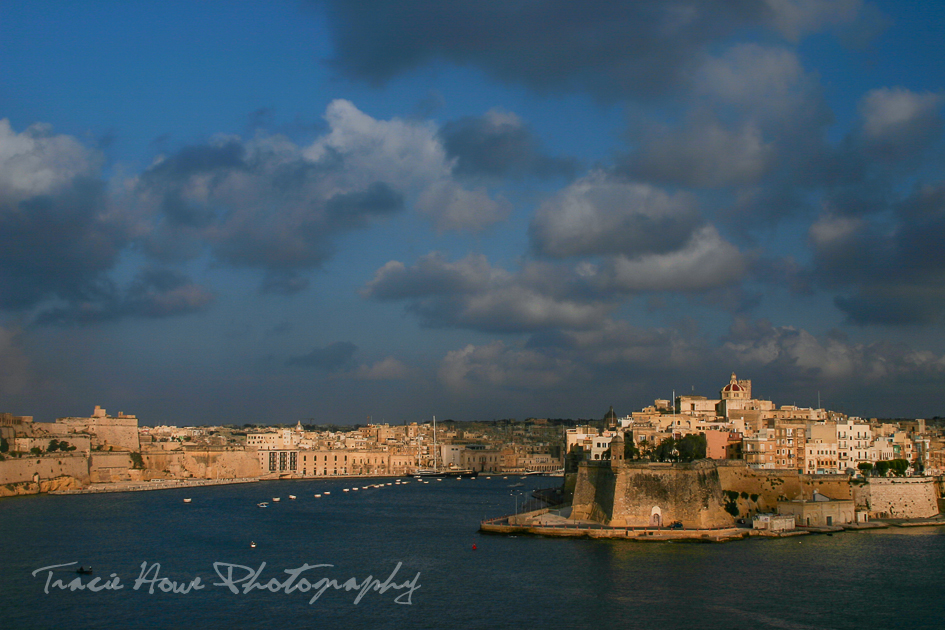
[[105, 432], [645, 494], [31, 475], [703, 494], [214, 463], [908, 497]]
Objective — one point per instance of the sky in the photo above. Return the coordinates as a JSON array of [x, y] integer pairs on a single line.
[[348, 212]]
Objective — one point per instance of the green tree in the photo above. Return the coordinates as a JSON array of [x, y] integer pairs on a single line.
[[53, 446], [899, 467], [630, 449], [666, 451], [36, 451], [882, 467], [691, 447], [865, 468], [4, 445]]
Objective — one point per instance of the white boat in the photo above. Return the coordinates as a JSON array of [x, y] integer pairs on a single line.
[[187, 500], [355, 488], [318, 496], [276, 499], [345, 490], [327, 493], [292, 497], [252, 545], [263, 504]]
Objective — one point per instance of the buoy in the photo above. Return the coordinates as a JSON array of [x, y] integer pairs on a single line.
[[474, 547]]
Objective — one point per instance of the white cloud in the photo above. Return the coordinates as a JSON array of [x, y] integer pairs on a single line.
[[389, 369], [475, 369], [452, 207], [706, 262], [892, 112], [600, 214], [796, 17], [36, 162], [830, 230]]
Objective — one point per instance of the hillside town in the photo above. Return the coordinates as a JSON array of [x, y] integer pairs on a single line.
[[75, 453]]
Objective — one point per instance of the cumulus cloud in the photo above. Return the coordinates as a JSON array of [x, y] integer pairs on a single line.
[[154, 293], [470, 293], [898, 123], [269, 204], [802, 358], [706, 262], [498, 144], [893, 271], [452, 207], [795, 17], [58, 233], [601, 214], [607, 49], [493, 366], [389, 369], [331, 358], [703, 153]]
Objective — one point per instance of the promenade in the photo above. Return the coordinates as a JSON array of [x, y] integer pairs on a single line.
[[157, 484]]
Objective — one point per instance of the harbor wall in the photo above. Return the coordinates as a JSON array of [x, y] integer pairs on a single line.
[[31, 475], [907, 497], [200, 464]]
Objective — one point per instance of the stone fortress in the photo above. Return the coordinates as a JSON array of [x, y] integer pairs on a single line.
[[772, 474]]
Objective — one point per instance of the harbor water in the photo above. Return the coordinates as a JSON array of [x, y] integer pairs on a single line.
[[445, 573]]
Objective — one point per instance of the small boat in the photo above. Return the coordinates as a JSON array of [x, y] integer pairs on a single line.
[[263, 504], [355, 488], [327, 493], [84, 571], [292, 497], [318, 496], [252, 545], [187, 500], [345, 490], [275, 499], [364, 487]]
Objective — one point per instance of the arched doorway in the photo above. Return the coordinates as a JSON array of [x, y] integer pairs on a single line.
[[656, 517]]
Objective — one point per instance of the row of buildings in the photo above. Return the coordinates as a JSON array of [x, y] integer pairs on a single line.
[[738, 426]]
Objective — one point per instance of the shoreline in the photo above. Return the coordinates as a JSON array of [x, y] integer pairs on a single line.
[[144, 486], [529, 523]]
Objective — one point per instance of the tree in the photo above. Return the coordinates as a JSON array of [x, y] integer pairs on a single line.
[[54, 446], [630, 450], [692, 447], [865, 468], [899, 467], [36, 451], [882, 467], [4, 445]]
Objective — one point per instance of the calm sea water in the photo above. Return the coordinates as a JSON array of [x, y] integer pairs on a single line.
[[879, 579]]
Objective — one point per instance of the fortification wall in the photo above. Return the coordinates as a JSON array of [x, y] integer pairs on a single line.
[[754, 491], [909, 497], [224, 464], [111, 467], [654, 494], [119, 433], [593, 493], [17, 474]]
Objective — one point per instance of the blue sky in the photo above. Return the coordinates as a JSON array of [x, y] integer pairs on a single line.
[[224, 212]]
